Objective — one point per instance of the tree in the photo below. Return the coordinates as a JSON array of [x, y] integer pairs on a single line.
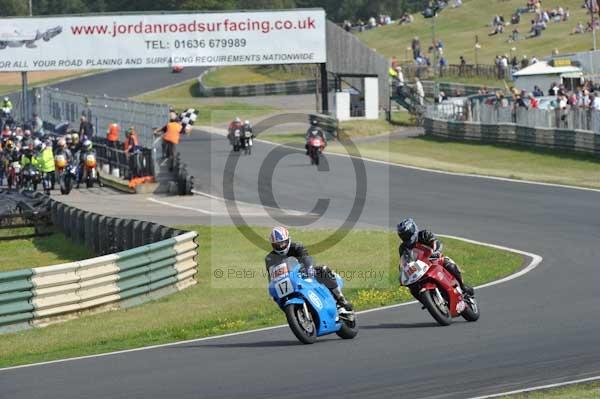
[[12, 8]]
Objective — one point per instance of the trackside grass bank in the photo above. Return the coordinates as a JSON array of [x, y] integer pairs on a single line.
[[232, 295], [38, 251], [249, 75], [578, 391], [185, 95], [479, 159]]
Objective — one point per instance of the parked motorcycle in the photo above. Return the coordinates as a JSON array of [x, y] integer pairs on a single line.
[[13, 175], [315, 147], [30, 178], [310, 308], [66, 173], [247, 141], [90, 172], [437, 289]]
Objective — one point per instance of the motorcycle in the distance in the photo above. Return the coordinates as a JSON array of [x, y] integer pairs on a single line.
[[315, 147], [237, 140], [437, 289], [247, 142], [310, 308]]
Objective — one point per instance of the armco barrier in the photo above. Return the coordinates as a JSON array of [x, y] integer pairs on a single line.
[[150, 261], [44, 295], [506, 133]]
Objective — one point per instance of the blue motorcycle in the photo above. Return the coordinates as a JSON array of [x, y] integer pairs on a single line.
[[309, 307]]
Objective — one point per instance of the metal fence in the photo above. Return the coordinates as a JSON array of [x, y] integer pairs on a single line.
[[465, 71], [138, 164], [57, 106], [572, 119]]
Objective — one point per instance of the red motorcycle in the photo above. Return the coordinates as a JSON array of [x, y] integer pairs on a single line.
[[315, 147], [437, 289]]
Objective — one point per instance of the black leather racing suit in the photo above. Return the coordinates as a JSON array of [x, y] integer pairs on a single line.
[[323, 274], [426, 237]]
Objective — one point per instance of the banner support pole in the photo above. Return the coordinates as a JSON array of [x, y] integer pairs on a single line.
[[25, 96], [324, 89]]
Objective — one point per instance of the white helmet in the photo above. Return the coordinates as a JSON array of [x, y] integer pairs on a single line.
[[238, 120], [246, 122]]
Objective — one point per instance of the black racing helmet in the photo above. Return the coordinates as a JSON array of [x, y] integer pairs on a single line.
[[407, 231]]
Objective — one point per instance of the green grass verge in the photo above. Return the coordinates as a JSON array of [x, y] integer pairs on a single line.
[[248, 75], [578, 391], [457, 28], [240, 301], [485, 159], [521, 163], [185, 95], [38, 251]]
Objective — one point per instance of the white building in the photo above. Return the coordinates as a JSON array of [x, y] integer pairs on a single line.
[[542, 74]]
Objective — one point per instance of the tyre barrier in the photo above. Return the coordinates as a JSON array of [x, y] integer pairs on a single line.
[[37, 297], [577, 141]]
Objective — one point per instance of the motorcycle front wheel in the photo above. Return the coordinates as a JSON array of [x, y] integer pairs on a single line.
[[66, 185], [303, 328], [471, 312], [349, 328], [439, 311]]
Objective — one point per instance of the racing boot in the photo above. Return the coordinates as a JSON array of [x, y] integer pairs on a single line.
[[467, 289], [341, 300]]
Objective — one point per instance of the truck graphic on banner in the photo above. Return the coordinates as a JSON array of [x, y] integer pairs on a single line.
[[17, 38]]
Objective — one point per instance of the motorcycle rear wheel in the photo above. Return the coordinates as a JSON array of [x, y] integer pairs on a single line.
[[304, 330], [443, 317]]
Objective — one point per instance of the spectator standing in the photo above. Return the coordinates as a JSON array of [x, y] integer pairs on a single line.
[[38, 124], [533, 102], [132, 151], [461, 68], [416, 47], [112, 135], [399, 79], [596, 103], [85, 129], [537, 92], [170, 135], [420, 91]]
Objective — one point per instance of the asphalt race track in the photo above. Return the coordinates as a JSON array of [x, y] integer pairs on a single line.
[[128, 82], [538, 329]]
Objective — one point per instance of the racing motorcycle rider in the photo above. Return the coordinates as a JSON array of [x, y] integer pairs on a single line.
[[233, 126], [247, 127], [410, 235], [314, 130], [61, 148], [283, 247]]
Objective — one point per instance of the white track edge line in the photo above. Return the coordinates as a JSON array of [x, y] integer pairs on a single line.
[[443, 172], [535, 261], [539, 388], [189, 208]]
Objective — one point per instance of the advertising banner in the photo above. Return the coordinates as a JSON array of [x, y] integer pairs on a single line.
[[162, 40]]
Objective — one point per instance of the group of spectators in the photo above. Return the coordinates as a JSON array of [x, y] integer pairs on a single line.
[[372, 23], [586, 96], [539, 22]]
